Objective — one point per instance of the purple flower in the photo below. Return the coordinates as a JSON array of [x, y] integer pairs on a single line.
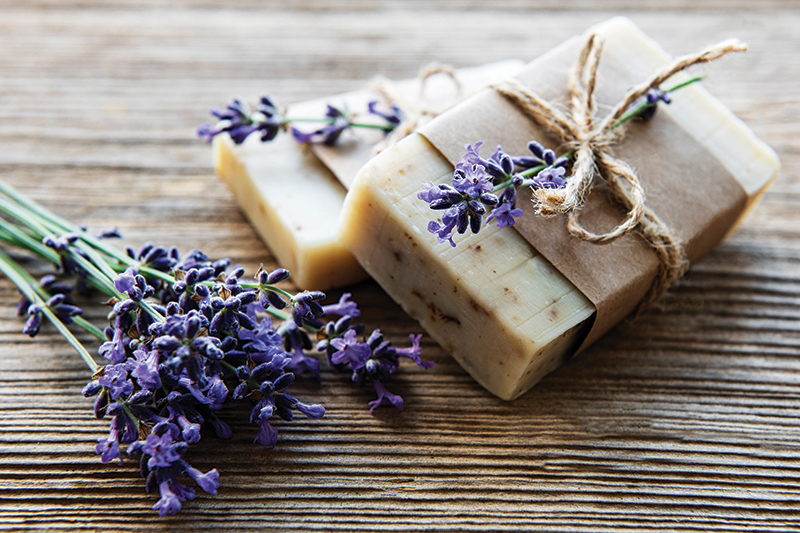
[[430, 192], [305, 306], [169, 503], [343, 307], [34, 321], [209, 481], [114, 350], [414, 352], [115, 379], [297, 341], [471, 156], [145, 368], [328, 134], [444, 231], [240, 122], [63, 310], [652, 98], [162, 450], [472, 180], [385, 398], [350, 350], [550, 178], [108, 448], [393, 116], [172, 493], [505, 214], [540, 156]]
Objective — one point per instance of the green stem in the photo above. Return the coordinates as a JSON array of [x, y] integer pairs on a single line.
[[631, 113], [14, 272], [384, 127]]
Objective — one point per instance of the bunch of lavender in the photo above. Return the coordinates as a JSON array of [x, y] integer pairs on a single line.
[[240, 121], [485, 189], [186, 335]]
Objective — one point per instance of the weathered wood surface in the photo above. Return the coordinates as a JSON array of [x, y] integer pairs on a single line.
[[687, 420]]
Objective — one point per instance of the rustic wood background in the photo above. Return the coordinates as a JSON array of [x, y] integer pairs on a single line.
[[688, 419]]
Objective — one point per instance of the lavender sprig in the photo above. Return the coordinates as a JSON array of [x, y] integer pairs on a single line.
[[471, 200], [186, 336], [239, 121]]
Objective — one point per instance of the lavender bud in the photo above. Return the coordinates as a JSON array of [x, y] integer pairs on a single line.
[[241, 390], [100, 404], [277, 275], [140, 397], [247, 297], [536, 149], [283, 381], [267, 388], [91, 388], [275, 300], [243, 372]]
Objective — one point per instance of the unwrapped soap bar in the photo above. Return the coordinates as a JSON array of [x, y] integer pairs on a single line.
[[495, 302], [293, 194]]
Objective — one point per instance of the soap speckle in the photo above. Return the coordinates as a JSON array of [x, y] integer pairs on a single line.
[[553, 314], [398, 257], [478, 307]]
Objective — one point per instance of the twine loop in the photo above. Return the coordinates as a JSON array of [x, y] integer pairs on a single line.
[[591, 140]]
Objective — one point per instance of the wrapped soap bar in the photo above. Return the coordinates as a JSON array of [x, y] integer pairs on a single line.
[[293, 194], [511, 305]]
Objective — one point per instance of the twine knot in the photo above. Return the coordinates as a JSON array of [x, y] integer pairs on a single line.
[[591, 140]]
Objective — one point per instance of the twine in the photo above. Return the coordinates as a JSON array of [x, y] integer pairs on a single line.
[[591, 143], [415, 112]]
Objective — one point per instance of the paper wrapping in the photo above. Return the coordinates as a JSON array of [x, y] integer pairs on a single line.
[[439, 93], [686, 186]]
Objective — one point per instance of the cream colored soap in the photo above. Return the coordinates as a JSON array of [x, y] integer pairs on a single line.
[[496, 305], [293, 200]]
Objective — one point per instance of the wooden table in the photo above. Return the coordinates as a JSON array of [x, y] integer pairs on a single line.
[[688, 419]]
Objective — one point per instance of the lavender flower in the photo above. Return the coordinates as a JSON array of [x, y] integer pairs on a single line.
[[393, 116], [240, 122], [182, 330], [550, 178], [475, 180], [328, 134], [651, 100], [373, 361]]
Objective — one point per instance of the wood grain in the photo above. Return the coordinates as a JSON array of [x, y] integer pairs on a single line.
[[685, 420]]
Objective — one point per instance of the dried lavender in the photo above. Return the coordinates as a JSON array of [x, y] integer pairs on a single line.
[[186, 336], [239, 121], [471, 199]]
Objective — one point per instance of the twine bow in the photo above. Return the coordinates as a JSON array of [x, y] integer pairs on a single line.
[[415, 112], [591, 140]]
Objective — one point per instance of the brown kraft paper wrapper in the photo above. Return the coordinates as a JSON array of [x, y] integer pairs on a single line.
[[686, 186]]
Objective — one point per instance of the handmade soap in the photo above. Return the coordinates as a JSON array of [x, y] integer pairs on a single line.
[[293, 194], [497, 305]]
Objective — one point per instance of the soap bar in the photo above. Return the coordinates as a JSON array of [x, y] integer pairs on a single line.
[[494, 302], [293, 194]]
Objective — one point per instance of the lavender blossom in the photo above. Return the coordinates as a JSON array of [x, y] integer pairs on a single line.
[[393, 116], [651, 100], [240, 122], [328, 134], [550, 178]]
